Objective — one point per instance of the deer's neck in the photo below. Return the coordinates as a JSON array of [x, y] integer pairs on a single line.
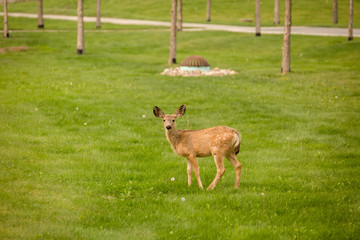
[[173, 136]]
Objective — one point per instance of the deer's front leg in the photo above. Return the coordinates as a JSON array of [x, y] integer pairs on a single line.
[[189, 171], [194, 163]]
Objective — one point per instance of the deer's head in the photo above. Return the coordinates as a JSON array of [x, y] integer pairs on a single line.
[[169, 119]]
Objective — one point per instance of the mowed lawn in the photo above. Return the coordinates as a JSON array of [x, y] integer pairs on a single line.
[[83, 157]]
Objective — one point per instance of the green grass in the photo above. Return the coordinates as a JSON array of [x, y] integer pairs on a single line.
[[110, 178], [306, 12]]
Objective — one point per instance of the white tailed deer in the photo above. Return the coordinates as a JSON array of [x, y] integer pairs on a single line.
[[221, 142]]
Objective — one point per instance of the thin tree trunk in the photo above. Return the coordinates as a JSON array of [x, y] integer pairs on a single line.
[[208, 11], [277, 12], [285, 65], [172, 54], [335, 11], [257, 18], [179, 15], [40, 14], [98, 14], [80, 28], [350, 36], [6, 25]]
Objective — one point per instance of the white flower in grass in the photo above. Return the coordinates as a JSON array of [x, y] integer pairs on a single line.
[[85, 124], [172, 179], [77, 108], [70, 83], [144, 116], [336, 97], [36, 109], [182, 199], [262, 194]]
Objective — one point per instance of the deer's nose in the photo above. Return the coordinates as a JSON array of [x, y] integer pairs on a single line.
[[168, 127]]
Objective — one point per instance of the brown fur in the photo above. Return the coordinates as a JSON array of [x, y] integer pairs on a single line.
[[221, 142]]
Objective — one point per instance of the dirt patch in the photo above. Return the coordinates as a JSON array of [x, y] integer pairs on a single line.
[[245, 20], [14, 49], [213, 72]]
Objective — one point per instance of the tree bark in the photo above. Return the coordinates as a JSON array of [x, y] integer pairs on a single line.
[[277, 12], [80, 28], [335, 11], [98, 14], [350, 35], [285, 65], [6, 25], [257, 19], [172, 53], [208, 11], [40, 14], [179, 16]]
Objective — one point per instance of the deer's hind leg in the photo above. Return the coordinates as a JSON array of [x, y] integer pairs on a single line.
[[220, 170], [233, 159]]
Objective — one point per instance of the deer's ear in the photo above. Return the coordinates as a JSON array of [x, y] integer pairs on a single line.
[[158, 112], [181, 111]]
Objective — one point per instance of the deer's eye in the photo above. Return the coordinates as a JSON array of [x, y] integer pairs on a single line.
[[173, 120], [163, 120]]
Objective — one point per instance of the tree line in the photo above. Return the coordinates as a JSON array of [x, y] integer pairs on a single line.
[[176, 24], [176, 12]]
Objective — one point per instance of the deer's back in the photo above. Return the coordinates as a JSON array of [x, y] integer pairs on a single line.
[[207, 141]]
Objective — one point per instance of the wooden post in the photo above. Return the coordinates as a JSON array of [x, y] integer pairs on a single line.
[[80, 28], [172, 53], [277, 12], [335, 11], [98, 14], [285, 65], [257, 18], [179, 16], [350, 35], [40, 14], [6, 25], [208, 11]]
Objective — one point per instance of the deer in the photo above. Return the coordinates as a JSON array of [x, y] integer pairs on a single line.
[[221, 142]]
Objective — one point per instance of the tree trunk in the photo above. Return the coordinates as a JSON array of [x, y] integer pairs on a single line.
[[98, 14], [179, 15], [285, 65], [335, 11], [277, 12], [350, 36], [257, 18], [40, 14], [172, 54], [6, 26], [80, 28], [208, 11]]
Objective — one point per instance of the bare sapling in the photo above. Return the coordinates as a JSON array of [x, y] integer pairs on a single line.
[[221, 142]]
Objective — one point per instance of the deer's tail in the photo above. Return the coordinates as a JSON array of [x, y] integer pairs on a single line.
[[237, 142]]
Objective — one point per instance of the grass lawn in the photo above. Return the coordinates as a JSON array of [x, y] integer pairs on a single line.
[[83, 157], [305, 12]]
